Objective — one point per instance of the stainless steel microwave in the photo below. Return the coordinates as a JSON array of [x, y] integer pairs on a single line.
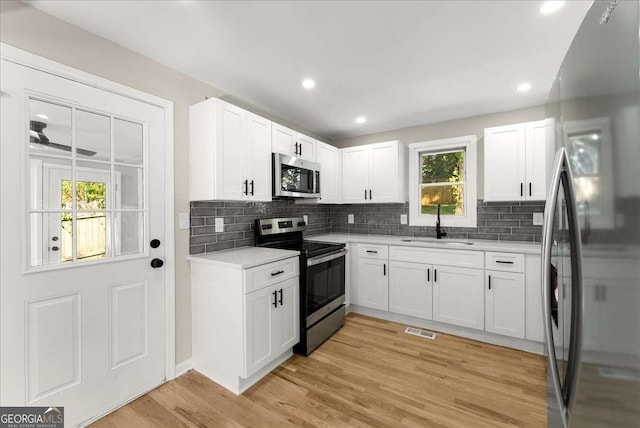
[[294, 177]]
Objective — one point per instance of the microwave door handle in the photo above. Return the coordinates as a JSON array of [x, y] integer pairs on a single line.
[[547, 239], [575, 341]]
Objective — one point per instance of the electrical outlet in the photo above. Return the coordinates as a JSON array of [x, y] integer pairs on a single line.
[[219, 224], [350, 219], [305, 218], [403, 219], [184, 221], [538, 219]]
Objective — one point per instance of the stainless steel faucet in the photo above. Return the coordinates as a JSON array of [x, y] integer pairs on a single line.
[[439, 232]]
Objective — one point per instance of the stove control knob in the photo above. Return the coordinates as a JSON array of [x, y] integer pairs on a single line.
[[266, 226], [301, 223]]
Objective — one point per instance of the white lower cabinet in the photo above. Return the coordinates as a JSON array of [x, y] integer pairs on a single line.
[[504, 303], [458, 296], [410, 289], [245, 321], [373, 284]]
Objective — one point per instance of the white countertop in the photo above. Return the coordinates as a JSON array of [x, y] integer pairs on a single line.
[[244, 257], [478, 245]]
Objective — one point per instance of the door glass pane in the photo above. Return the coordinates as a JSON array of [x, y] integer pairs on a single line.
[[450, 198], [49, 129], [93, 186], [93, 136], [129, 233], [129, 191], [127, 140], [45, 179], [51, 237], [91, 232], [442, 167]]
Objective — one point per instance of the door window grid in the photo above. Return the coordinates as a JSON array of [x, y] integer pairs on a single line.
[[113, 213]]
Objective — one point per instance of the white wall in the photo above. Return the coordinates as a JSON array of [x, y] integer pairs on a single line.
[[29, 29]]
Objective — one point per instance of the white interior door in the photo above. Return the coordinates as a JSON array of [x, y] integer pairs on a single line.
[[86, 333]]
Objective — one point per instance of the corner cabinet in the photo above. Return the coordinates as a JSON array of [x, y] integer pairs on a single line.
[[290, 142], [245, 321], [517, 159], [230, 153], [374, 173]]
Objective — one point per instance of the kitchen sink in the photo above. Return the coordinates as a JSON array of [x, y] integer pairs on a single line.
[[433, 240]]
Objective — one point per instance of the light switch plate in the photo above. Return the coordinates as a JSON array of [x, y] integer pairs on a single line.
[[219, 224], [305, 218], [184, 221], [403, 219], [538, 219], [350, 219]]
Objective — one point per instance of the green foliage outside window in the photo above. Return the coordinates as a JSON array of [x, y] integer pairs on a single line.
[[437, 171]]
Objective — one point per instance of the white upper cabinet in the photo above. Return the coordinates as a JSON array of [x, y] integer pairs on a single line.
[[516, 160], [230, 153], [293, 143], [330, 160], [374, 173]]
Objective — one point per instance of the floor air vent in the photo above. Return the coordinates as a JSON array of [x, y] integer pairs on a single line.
[[421, 333]]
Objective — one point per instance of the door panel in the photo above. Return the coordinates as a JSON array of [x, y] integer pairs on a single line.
[[284, 140], [458, 296], [537, 136], [259, 155], [355, 175], [383, 172], [288, 315], [410, 289], [259, 310], [307, 146], [231, 151], [504, 154], [373, 286], [504, 303], [64, 338]]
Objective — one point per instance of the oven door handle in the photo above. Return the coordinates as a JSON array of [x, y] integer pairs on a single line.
[[326, 258]]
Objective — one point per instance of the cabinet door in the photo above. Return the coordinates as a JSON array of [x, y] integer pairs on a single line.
[[458, 296], [259, 309], [504, 303], [355, 175], [306, 147], [504, 163], [373, 284], [534, 329], [287, 319], [383, 172], [536, 143], [231, 151], [330, 164], [258, 157], [410, 289], [283, 140]]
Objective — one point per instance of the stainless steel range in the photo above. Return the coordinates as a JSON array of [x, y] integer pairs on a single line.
[[322, 278]]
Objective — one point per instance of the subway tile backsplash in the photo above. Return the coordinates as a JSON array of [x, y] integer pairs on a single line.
[[506, 221]]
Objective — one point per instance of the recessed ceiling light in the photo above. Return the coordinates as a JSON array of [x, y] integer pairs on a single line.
[[551, 6], [308, 83], [361, 119], [42, 116], [595, 137], [524, 87]]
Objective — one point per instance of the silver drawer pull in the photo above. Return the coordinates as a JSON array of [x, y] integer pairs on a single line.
[[504, 262]]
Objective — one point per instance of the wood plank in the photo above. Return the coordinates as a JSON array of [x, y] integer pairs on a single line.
[[369, 374]]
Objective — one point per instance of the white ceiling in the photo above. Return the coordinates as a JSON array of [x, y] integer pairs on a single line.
[[397, 63]]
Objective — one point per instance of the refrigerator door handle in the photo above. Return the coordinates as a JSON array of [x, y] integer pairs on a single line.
[[562, 176]]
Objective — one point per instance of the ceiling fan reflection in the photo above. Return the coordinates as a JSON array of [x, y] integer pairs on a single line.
[[36, 136]]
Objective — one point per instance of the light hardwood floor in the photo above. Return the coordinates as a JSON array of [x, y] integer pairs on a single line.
[[369, 374]]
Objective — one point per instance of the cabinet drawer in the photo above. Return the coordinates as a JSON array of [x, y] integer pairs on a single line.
[[373, 251], [457, 258], [265, 275], [505, 262]]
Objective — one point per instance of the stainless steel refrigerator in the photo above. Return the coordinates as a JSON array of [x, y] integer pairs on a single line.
[[591, 241]]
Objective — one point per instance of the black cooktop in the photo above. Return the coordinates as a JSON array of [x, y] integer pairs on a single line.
[[315, 248]]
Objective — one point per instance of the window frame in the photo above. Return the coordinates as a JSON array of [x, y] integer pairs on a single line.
[[468, 143]]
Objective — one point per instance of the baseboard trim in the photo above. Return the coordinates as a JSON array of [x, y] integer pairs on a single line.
[[480, 336], [183, 367]]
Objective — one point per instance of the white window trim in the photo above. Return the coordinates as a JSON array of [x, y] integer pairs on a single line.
[[469, 144]]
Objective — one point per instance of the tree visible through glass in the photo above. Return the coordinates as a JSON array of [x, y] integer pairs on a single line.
[[442, 182]]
